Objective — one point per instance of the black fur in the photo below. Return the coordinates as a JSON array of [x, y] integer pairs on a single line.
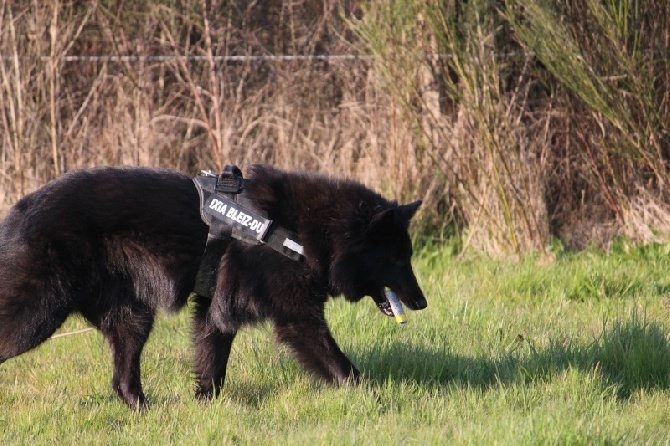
[[116, 244]]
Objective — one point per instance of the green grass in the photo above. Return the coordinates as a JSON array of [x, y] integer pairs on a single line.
[[569, 352]]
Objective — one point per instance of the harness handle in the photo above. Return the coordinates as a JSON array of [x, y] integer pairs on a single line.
[[230, 181]]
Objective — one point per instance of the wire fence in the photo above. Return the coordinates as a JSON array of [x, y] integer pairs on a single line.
[[504, 55], [159, 58]]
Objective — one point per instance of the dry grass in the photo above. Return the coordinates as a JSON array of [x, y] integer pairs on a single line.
[[507, 149], [482, 138]]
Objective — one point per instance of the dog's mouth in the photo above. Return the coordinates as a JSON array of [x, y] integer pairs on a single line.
[[385, 306]]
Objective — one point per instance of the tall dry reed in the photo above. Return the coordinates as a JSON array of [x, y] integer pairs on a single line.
[[516, 122], [475, 133]]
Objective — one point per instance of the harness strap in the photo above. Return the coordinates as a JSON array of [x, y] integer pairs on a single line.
[[218, 240], [230, 215], [285, 242]]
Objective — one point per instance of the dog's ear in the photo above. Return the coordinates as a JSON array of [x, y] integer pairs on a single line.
[[407, 211], [382, 219], [388, 217]]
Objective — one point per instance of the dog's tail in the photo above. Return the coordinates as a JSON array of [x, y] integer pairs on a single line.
[[31, 309], [26, 327]]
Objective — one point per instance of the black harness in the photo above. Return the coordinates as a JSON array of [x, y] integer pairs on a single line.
[[230, 214]]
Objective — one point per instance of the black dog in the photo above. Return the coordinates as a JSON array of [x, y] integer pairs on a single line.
[[116, 244]]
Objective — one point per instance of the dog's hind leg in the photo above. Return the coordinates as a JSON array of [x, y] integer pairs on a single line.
[[127, 329], [212, 349], [317, 351]]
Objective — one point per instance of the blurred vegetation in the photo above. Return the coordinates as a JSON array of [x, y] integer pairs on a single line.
[[518, 122]]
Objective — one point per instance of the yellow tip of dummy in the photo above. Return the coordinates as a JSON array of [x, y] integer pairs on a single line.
[[396, 306]]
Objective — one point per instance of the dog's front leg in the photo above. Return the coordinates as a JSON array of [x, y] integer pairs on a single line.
[[212, 349], [317, 351]]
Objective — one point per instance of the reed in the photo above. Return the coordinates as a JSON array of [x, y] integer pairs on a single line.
[[515, 122]]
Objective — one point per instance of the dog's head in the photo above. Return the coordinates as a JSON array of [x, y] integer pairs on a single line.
[[376, 254]]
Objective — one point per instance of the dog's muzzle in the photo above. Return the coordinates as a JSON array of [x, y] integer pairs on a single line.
[[385, 306]]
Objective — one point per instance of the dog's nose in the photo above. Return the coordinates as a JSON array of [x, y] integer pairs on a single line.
[[418, 304], [421, 304]]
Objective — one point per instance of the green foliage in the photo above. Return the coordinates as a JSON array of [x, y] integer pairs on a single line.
[[613, 61], [571, 351], [590, 75], [480, 146], [525, 105]]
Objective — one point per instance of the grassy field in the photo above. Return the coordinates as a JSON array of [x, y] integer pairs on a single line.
[[573, 351]]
